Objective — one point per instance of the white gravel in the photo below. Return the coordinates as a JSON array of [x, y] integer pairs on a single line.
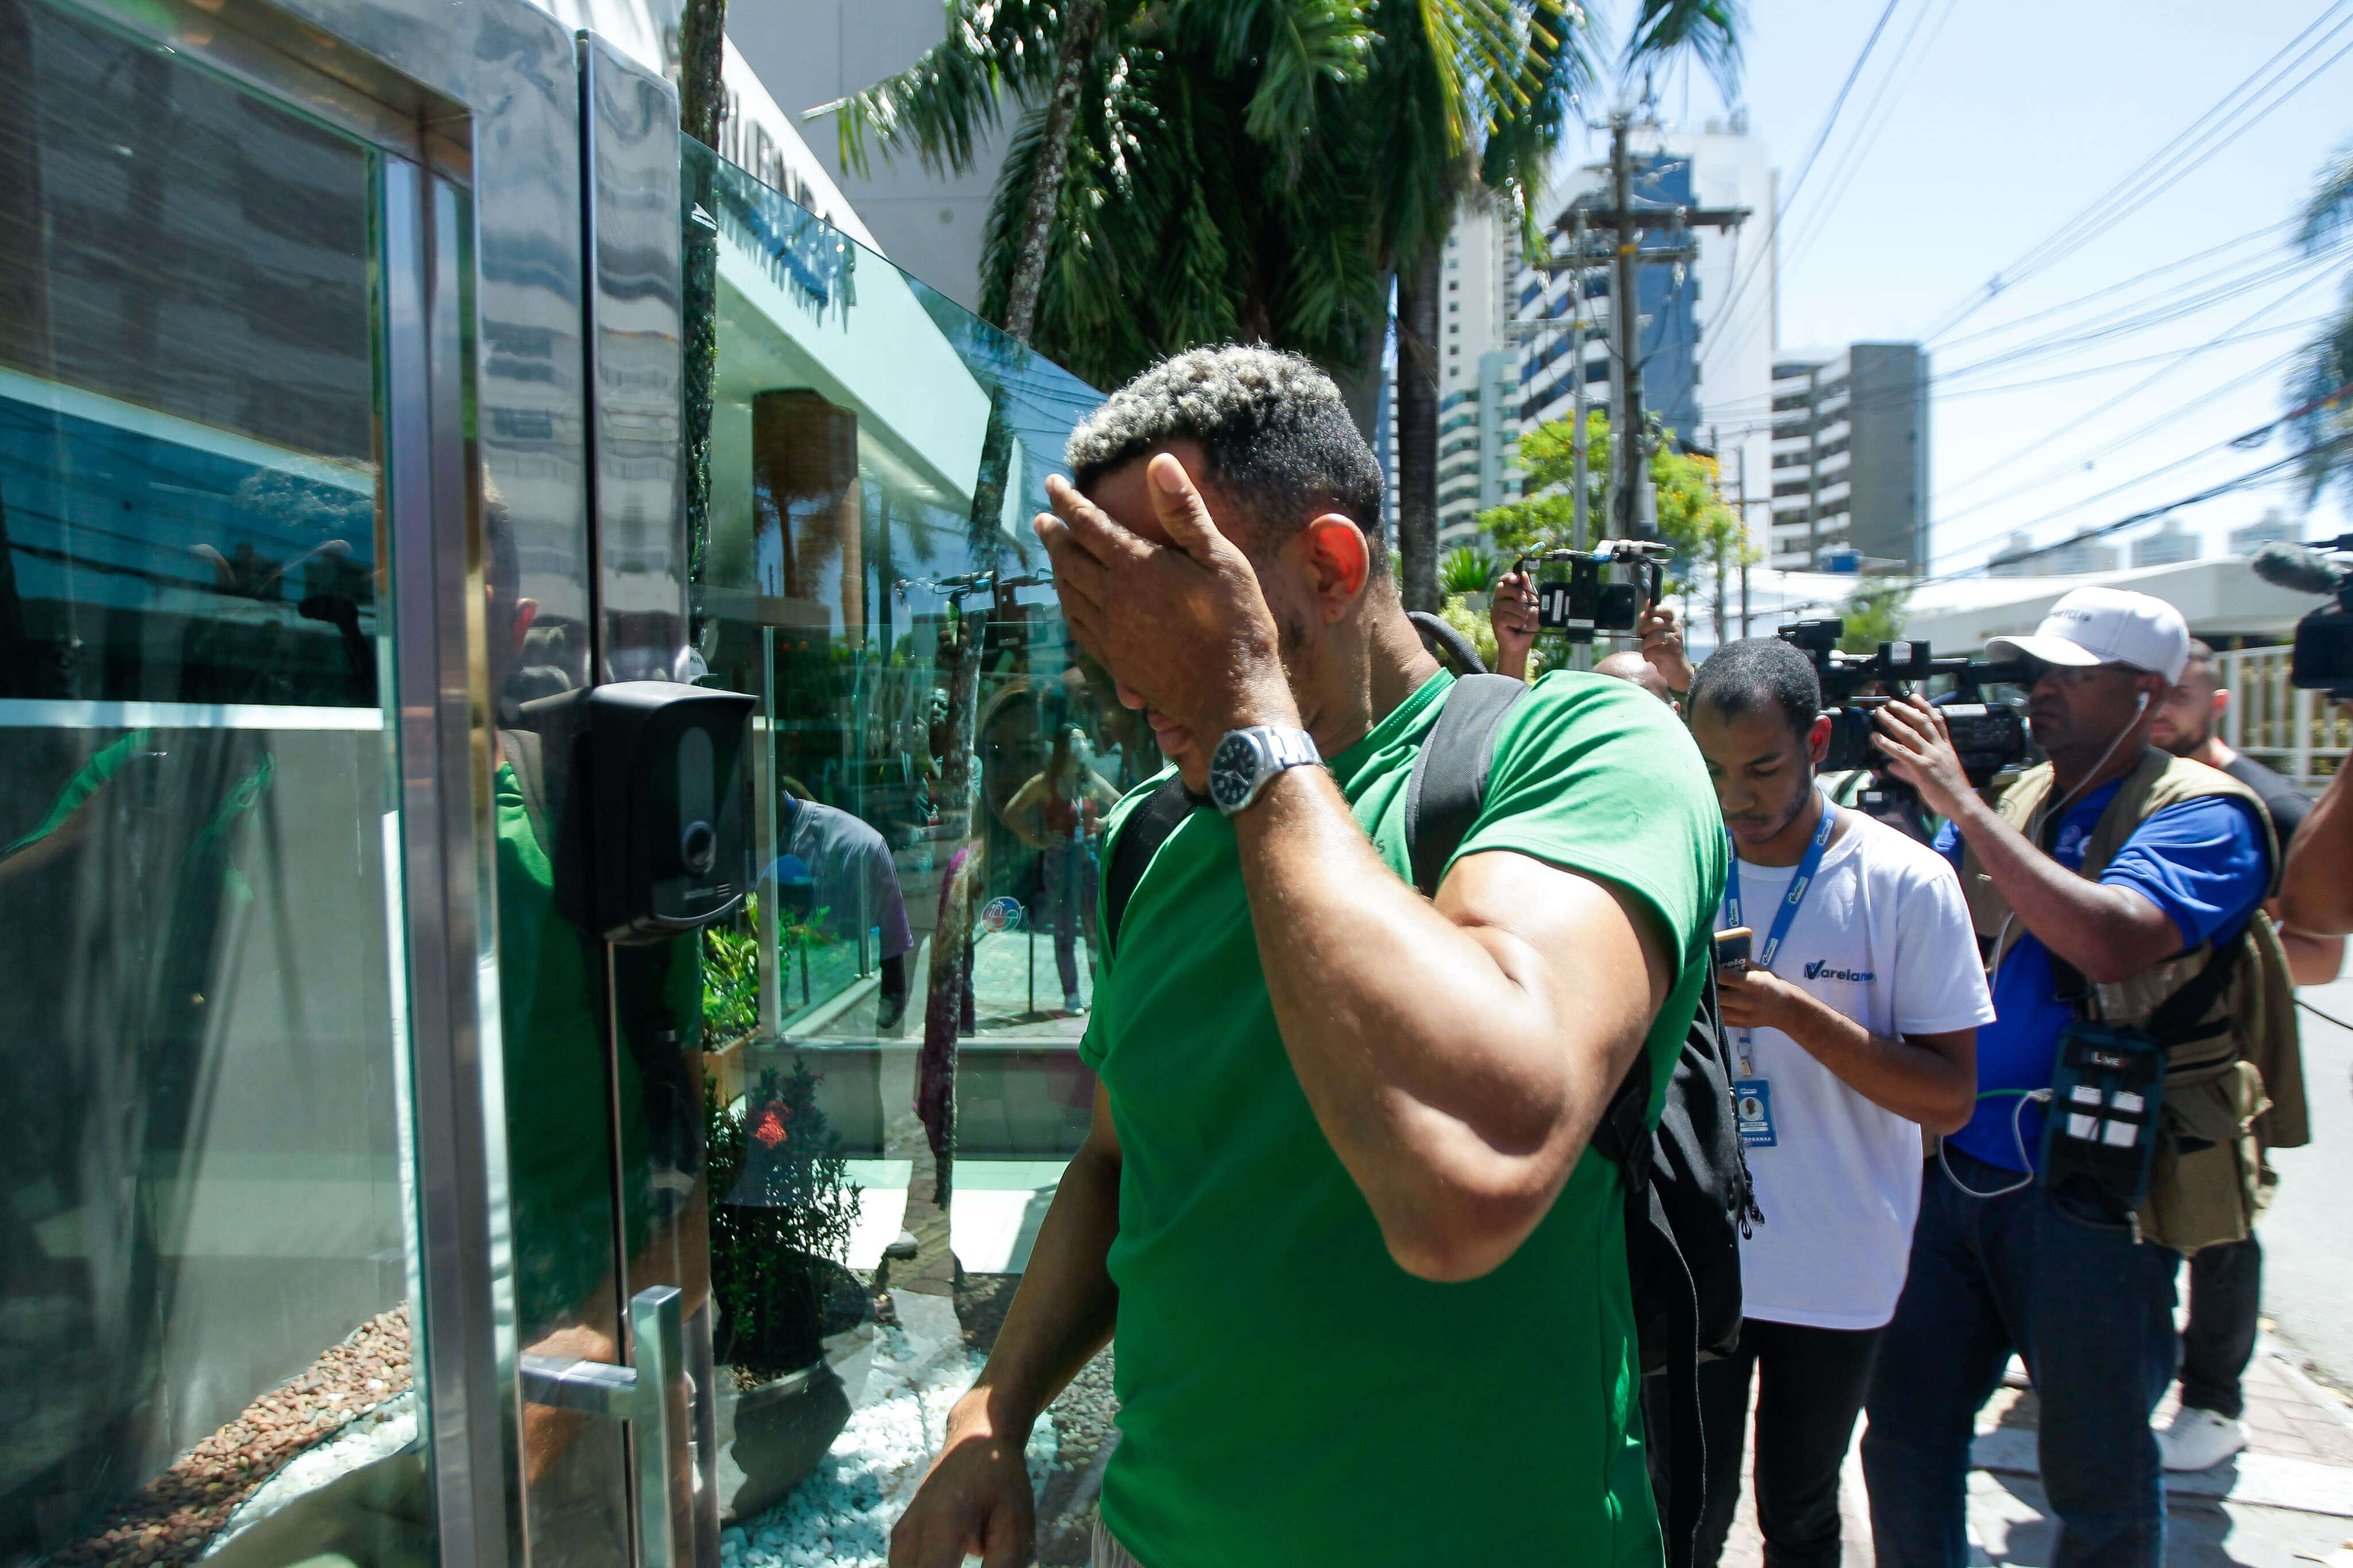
[[386, 1430], [841, 1515]]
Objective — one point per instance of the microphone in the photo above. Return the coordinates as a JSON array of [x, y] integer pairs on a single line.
[[2295, 568]]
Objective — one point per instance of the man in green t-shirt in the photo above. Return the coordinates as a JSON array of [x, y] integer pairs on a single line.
[[1369, 1282]]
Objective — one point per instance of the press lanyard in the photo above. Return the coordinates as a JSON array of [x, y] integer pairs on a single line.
[[1802, 879]]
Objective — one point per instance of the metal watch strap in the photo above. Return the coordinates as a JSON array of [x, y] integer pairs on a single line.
[[1278, 749]]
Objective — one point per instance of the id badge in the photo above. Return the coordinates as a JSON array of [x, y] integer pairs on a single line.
[[1752, 1103]]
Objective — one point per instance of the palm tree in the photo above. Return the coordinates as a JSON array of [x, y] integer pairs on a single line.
[[2325, 426], [1151, 139], [1196, 170]]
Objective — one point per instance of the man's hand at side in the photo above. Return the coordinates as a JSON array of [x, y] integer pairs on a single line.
[[975, 1498]]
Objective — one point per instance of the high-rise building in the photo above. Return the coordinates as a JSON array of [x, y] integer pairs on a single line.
[[1850, 457], [1508, 361], [2275, 527], [2083, 554], [2169, 546]]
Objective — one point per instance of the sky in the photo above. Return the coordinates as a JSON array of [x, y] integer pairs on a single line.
[[2003, 120]]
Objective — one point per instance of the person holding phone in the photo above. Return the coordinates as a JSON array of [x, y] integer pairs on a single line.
[[1851, 1001]]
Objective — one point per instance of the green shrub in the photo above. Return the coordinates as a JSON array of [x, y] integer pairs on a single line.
[[781, 1213]]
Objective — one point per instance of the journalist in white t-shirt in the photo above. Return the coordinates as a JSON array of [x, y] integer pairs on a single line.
[[1854, 1027]]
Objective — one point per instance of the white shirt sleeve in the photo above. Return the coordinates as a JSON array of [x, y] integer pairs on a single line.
[[1941, 985]]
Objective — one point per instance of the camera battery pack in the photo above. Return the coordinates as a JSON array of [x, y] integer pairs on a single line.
[[2106, 1089]]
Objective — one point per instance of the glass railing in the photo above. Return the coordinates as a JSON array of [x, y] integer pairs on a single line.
[[891, 1027]]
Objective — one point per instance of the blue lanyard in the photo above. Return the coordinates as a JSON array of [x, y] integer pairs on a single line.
[[1799, 882]]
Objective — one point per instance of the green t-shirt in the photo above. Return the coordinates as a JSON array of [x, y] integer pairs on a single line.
[[1288, 1395]]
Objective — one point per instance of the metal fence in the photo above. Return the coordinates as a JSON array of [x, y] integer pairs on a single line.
[[2297, 733]]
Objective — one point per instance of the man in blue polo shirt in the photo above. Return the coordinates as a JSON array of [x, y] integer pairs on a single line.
[[2109, 862]]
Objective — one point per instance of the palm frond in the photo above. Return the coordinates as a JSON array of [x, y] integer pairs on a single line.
[[2329, 213], [2324, 433], [948, 99], [1708, 30]]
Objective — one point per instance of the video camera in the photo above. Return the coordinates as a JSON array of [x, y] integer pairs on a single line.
[[2323, 656], [1585, 594], [1988, 735]]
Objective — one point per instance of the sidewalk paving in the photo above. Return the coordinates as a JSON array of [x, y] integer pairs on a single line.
[[2286, 1503]]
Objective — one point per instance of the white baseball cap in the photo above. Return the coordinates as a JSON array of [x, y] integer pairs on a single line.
[[2106, 626]]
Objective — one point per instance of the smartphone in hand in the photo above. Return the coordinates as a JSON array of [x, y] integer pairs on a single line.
[[1732, 949]]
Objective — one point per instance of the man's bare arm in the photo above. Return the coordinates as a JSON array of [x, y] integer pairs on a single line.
[[1458, 1054], [1928, 1078], [2317, 883], [976, 1496], [2107, 933]]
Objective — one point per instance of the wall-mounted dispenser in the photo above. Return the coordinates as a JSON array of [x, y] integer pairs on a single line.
[[665, 845]]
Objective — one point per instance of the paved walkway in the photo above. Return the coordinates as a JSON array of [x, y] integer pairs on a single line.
[[2287, 1502]]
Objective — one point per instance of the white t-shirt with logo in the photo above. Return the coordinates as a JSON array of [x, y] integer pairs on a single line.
[[1883, 937]]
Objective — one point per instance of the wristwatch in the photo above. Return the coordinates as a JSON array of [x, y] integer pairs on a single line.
[[1246, 759]]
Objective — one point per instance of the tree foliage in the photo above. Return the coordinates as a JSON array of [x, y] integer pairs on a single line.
[[1693, 516], [1873, 613], [2325, 430]]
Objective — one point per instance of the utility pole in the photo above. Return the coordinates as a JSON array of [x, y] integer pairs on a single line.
[[1632, 477], [1633, 514], [1580, 531]]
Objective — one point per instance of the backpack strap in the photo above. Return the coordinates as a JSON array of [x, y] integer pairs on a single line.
[[1138, 840], [1450, 773]]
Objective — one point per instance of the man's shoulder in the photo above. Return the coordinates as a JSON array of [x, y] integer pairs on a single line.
[[1888, 854], [2280, 796]]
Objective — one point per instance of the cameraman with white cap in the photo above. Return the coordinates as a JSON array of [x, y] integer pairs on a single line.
[[2104, 884]]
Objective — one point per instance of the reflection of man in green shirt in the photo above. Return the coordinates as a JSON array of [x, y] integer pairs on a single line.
[[1368, 1281]]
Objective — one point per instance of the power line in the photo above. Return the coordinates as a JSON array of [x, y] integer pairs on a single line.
[[1821, 136], [1859, 146], [2063, 431], [2165, 167], [2179, 412], [2147, 514], [2260, 432]]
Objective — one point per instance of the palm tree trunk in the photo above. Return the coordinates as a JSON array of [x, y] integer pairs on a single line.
[[1416, 438], [1081, 21], [702, 98]]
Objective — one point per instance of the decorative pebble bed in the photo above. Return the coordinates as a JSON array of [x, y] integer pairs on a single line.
[[841, 1515], [175, 1517]]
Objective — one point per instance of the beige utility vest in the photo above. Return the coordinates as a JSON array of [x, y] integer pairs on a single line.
[[2204, 1184]]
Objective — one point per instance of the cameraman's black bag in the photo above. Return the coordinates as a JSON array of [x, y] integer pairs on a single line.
[[1688, 1198]]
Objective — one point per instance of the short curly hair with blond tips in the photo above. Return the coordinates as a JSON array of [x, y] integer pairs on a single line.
[[1276, 434]]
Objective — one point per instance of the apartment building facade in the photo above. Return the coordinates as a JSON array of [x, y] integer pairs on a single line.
[[1849, 458]]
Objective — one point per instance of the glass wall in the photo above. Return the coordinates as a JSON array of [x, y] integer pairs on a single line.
[[892, 1028], [205, 1215]]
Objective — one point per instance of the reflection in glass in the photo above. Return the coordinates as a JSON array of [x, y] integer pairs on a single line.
[[893, 1028], [206, 1224]]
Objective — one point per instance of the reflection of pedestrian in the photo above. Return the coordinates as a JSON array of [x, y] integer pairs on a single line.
[[1059, 813], [847, 889]]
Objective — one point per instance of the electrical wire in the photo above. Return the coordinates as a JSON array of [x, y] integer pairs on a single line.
[[2328, 1017], [2062, 432], [2167, 165], [1821, 136], [1865, 140]]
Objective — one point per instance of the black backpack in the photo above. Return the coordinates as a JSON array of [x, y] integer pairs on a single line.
[[1688, 1197]]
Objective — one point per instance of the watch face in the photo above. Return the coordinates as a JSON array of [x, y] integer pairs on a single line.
[[1232, 768]]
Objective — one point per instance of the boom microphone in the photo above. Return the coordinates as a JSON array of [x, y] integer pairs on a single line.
[[2295, 568]]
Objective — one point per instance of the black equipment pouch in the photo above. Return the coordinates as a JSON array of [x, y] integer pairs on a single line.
[[2107, 1088]]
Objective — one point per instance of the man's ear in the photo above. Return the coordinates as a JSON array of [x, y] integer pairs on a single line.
[[1339, 560], [1817, 739]]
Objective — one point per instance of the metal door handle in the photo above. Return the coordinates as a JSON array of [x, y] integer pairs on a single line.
[[652, 1395]]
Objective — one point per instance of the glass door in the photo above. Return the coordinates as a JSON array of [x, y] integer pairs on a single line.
[[209, 1340]]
